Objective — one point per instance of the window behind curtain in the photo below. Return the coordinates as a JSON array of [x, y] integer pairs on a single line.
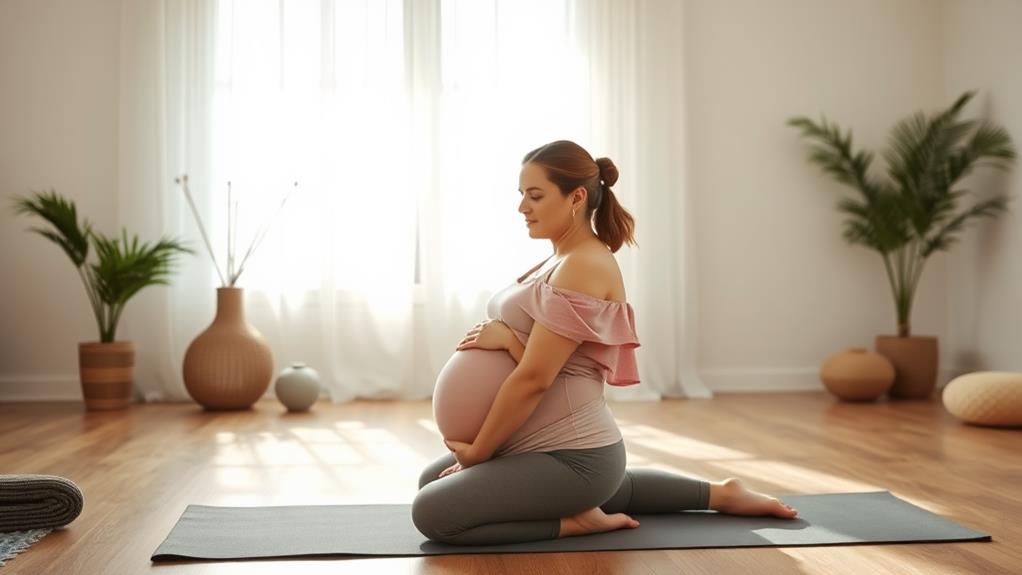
[[316, 91]]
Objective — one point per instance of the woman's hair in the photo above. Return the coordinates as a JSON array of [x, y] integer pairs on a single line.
[[569, 166]]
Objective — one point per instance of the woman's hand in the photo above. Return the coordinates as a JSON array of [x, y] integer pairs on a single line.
[[452, 469], [489, 334], [464, 454]]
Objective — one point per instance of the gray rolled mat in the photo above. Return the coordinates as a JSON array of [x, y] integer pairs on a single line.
[[206, 532], [29, 501]]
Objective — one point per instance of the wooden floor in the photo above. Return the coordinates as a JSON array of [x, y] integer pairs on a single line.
[[140, 468]]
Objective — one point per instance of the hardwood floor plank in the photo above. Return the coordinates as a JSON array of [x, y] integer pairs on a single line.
[[141, 467]]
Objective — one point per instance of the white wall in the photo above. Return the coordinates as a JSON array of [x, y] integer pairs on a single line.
[[779, 289], [58, 129], [982, 49]]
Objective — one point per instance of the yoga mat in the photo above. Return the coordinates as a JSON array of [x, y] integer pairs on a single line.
[[30, 501], [207, 532]]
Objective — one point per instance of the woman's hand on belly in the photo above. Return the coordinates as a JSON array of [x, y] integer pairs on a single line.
[[464, 453], [490, 334]]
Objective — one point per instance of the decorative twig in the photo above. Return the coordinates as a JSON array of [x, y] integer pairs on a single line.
[[230, 236], [234, 239], [262, 234], [232, 231], [183, 180]]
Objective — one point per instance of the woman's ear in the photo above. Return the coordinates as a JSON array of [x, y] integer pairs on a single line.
[[583, 194]]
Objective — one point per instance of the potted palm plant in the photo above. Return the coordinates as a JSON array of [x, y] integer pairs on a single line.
[[122, 269], [912, 213]]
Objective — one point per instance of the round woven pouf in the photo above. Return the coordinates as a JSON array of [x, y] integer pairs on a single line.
[[986, 398]]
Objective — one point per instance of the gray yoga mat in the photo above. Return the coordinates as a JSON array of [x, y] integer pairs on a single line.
[[206, 532]]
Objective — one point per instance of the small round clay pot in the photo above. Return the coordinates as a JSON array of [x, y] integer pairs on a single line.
[[857, 375]]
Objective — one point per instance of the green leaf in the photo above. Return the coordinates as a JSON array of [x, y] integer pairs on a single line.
[[125, 266], [945, 236], [63, 216]]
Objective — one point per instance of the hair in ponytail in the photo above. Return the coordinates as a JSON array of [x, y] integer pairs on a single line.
[[569, 166]]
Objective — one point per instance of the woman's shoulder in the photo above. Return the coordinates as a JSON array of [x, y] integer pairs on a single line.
[[592, 271]]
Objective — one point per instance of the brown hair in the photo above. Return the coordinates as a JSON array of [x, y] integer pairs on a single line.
[[569, 166]]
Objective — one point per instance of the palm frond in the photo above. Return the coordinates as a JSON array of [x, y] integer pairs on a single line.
[[945, 237], [988, 142], [877, 222], [834, 154], [125, 267], [63, 216], [917, 159]]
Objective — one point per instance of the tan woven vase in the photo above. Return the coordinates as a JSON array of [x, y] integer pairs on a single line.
[[106, 371], [228, 366], [915, 364]]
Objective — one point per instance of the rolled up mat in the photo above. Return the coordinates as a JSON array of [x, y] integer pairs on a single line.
[[37, 502], [208, 532]]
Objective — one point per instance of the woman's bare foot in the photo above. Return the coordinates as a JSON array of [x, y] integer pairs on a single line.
[[594, 521], [732, 497]]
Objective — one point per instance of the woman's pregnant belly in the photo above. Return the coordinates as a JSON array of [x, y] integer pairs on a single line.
[[465, 390]]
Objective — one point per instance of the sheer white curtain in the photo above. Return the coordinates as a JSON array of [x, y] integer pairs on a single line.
[[403, 123]]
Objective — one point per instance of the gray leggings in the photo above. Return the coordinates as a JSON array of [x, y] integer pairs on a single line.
[[522, 497]]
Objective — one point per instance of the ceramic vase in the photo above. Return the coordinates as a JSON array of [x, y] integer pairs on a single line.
[[297, 387], [229, 365]]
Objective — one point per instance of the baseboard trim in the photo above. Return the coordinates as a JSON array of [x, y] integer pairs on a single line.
[[780, 380], [40, 388]]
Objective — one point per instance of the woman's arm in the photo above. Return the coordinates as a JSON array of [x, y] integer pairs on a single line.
[[516, 399], [515, 348], [523, 389]]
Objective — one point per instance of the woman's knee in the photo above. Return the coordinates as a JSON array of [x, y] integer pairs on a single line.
[[426, 477], [431, 515], [432, 471]]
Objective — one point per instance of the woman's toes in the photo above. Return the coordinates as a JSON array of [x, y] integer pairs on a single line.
[[784, 510], [620, 521], [742, 501], [596, 521]]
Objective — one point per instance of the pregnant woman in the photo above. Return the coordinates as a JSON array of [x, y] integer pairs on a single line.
[[535, 452]]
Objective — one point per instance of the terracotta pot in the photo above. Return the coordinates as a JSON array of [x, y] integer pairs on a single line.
[[915, 364], [106, 371], [230, 365], [857, 375]]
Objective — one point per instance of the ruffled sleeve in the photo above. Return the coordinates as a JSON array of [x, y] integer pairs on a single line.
[[604, 329]]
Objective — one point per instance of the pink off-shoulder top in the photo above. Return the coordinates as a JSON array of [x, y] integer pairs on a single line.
[[573, 413]]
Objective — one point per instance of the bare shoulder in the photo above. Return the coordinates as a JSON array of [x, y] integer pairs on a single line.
[[592, 271]]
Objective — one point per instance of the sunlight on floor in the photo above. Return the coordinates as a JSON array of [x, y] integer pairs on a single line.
[[383, 447], [312, 464], [787, 477], [677, 445], [794, 477], [347, 445], [428, 425]]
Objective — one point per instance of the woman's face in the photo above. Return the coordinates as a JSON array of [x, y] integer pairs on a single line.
[[542, 203]]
